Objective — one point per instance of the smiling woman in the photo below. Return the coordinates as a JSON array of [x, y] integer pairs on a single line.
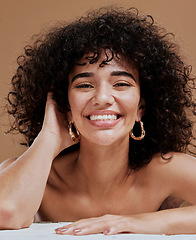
[[104, 100], [102, 104]]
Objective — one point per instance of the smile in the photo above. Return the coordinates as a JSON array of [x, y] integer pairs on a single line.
[[106, 119], [103, 117]]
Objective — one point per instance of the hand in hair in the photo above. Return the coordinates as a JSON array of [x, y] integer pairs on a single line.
[[55, 126]]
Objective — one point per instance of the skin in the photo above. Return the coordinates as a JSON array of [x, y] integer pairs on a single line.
[[86, 186]]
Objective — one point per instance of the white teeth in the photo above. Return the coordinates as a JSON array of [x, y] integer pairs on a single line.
[[103, 117]]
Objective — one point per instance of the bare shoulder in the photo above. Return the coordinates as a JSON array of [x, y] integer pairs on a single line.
[[180, 163], [172, 161], [172, 166], [7, 163], [175, 172]]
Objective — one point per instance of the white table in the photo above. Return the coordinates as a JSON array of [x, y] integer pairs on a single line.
[[39, 231]]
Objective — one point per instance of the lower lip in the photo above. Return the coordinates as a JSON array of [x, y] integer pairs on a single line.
[[104, 123]]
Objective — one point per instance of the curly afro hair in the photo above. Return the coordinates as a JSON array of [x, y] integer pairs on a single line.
[[166, 84]]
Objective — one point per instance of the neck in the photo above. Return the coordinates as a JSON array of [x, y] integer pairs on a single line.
[[102, 168]]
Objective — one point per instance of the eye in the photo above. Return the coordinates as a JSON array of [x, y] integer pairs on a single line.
[[84, 85], [122, 84]]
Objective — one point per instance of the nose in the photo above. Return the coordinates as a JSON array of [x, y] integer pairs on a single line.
[[103, 96]]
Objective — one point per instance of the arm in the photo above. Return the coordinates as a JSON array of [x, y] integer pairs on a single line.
[[179, 175], [173, 221], [23, 181]]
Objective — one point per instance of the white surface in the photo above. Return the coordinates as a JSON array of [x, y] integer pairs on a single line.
[[39, 231]]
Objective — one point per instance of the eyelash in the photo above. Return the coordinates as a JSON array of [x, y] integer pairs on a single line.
[[84, 85], [120, 84]]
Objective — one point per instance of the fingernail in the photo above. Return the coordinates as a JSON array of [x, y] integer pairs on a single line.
[[76, 231], [61, 229], [57, 229], [107, 231]]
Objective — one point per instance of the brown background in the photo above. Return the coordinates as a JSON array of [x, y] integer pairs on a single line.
[[20, 19]]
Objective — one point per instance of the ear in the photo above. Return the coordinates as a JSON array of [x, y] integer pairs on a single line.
[[141, 110]]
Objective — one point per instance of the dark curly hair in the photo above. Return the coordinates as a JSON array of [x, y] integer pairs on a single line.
[[166, 84]]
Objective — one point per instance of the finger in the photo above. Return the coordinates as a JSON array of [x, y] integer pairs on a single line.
[[49, 95], [51, 107], [118, 228], [122, 225], [67, 229], [84, 227], [90, 229], [93, 228], [49, 101], [77, 224], [107, 224], [50, 98]]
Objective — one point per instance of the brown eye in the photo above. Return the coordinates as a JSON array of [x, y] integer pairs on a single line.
[[84, 85], [122, 84]]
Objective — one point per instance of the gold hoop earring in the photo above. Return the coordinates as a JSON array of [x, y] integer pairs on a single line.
[[75, 136], [143, 133]]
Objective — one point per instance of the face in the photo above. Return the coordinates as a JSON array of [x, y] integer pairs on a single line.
[[104, 101]]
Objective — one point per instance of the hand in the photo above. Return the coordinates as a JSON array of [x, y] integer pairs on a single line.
[[55, 126], [114, 224]]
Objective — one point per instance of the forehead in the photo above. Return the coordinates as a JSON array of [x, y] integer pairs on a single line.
[[105, 61]]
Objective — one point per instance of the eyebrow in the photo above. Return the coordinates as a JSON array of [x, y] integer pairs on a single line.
[[82, 75], [122, 73], [114, 73]]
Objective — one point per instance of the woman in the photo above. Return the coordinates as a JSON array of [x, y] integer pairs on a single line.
[[116, 80]]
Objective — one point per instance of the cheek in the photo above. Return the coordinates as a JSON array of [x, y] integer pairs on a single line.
[[76, 106], [130, 102], [74, 110]]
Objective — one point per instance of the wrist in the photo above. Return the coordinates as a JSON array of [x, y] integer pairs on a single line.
[[49, 142]]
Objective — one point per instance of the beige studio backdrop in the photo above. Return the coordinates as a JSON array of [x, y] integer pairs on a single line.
[[20, 19]]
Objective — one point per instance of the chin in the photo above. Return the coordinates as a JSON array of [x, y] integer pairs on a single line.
[[106, 140]]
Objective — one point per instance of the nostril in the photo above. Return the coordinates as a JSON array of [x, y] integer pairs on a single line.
[[103, 99]]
